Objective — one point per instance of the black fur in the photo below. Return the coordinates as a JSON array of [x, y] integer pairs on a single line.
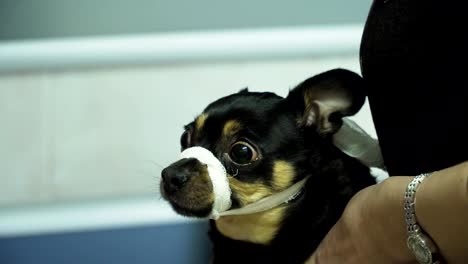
[[276, 126], [308, 221]]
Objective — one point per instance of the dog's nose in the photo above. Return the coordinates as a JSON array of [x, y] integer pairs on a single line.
[[174, 178], [177, 175]]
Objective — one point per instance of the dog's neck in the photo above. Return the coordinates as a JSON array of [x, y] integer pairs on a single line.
[[268, 202], [262, 227], [259, 221]]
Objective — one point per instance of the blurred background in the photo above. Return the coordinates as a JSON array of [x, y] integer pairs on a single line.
[[93, 98]]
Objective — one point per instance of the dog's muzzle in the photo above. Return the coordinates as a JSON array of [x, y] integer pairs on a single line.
[[218, 177], [222, 191]]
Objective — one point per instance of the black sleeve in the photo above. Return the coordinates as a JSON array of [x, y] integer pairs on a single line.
[[414, 56]]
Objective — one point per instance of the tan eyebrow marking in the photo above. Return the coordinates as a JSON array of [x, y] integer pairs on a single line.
[[231, 127], [200, 121]]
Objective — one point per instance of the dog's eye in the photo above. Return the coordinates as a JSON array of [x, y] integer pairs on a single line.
[[242, 153], [185, 139]]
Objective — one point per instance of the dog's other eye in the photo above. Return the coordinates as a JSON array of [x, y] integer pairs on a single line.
[[185, 139], [242, 153]]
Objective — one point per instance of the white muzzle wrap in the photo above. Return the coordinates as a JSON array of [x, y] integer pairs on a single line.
[[218, 176]]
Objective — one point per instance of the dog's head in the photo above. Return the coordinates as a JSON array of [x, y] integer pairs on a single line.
[[265, 142]]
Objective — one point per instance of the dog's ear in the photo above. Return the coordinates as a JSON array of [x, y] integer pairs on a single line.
[[244, 90], [322, 100]]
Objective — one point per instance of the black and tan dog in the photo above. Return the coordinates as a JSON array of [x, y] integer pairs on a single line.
[[267, 143]]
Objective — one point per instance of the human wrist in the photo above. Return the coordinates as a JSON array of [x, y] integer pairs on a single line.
[[418, 241], [372, 229], [440, 209], [387, 209], [442, 200], [375, 222]]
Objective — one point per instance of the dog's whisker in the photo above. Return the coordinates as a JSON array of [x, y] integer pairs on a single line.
[[155, 163]]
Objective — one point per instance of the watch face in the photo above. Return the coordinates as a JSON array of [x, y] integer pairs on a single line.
[[417, 244]]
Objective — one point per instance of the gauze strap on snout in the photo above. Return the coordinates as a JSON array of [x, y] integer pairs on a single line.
[[217, 174]]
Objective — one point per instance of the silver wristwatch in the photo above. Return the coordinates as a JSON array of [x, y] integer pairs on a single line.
[[419, 243]]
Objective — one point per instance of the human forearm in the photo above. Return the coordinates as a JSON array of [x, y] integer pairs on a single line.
[[442, 211], [372, 228]]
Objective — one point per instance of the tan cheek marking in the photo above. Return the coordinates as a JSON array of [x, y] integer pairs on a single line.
[[283, 175], [247, 192], [231, 127], [200, 121], [258, 228]]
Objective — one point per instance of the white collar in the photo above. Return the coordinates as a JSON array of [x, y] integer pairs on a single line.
[[268, 202]]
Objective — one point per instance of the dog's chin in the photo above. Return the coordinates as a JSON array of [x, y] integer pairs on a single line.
[[191, 212], [186, 210]]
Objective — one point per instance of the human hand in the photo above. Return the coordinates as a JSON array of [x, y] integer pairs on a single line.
[[371, 229]]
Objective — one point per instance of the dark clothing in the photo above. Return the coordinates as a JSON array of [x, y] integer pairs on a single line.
[[414, 55]]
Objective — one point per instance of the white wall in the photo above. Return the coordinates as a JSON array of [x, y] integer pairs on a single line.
[[86, 124], [103, 133]]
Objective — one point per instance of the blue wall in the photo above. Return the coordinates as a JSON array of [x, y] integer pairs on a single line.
[[176, 243], [25, 19]]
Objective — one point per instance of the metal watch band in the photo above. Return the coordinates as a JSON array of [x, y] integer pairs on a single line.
[[418, 242]]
